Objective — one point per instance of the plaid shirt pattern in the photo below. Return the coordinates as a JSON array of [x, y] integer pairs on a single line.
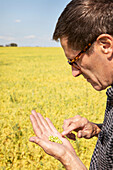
[[102, 158]]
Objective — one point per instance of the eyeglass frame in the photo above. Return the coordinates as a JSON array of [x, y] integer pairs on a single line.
[[73, 61]]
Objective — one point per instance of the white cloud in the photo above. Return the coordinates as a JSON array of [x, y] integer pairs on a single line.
[[7, 38], [17, 20], [30, 37]]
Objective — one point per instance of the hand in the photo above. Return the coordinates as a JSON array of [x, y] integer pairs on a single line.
[[43, 128], [82, 126], [65, 153]]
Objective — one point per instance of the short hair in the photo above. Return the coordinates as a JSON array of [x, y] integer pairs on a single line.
[[82, 21]]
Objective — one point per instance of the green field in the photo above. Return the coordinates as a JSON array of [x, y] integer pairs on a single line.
[[40, 79]]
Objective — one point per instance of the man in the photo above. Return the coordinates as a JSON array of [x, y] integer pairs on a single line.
[[85, 30]]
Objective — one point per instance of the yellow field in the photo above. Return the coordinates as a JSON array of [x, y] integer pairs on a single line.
[[40, 78]]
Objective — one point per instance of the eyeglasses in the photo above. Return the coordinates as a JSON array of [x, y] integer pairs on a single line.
[[73, 61]]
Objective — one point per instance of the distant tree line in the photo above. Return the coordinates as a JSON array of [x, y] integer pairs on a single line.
[[10, 45]]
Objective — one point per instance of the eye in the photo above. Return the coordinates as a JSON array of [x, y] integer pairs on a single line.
[[75, 64]]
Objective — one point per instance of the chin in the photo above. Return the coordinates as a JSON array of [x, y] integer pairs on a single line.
[[98, 87]]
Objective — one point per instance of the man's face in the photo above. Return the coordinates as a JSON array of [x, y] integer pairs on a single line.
[[94, 67]]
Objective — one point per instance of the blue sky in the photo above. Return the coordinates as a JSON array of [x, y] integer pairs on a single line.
[[29, 22]]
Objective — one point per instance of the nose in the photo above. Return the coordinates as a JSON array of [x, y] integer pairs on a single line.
[[76, 72]]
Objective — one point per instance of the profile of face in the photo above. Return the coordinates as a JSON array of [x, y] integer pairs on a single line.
[[96, 67]]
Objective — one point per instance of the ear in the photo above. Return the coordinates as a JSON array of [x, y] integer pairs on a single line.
[[105, 42]]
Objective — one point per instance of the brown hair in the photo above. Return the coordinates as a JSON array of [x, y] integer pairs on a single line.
[[82, 21]]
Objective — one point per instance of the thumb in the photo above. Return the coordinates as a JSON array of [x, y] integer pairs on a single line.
[[45, 145], [35, 139], [42, 143], [32, 139]]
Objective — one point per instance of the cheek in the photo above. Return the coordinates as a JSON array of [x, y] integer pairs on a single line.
[[86, 66], [87, 69], [87, 63]]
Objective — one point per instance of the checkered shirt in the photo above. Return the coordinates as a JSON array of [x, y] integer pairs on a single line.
[[102, 158]]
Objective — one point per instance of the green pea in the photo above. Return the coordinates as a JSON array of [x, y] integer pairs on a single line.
[[55, 139]]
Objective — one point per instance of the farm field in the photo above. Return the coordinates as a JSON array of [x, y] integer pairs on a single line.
[[40, 78]]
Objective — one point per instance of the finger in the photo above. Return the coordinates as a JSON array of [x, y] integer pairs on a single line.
[[38, 141], [48, 146], [79, 134], [46, 126], [44, 122], [39, 120], [51, 126], [36, 127], [32, 139], [83, 134], [74, 126], [67, 122]]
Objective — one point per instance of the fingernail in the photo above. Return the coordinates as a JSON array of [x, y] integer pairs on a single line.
[[32, 139], [63, 133], [79, 134], [32, 111]]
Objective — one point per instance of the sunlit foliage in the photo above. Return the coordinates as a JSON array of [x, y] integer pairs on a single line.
[[40, 79]]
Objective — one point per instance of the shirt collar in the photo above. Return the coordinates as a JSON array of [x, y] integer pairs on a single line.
[[110, 92]]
